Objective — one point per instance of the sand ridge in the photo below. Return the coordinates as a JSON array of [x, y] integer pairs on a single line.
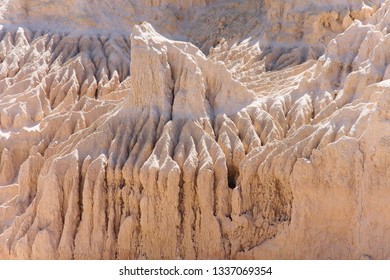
[[262, 143]]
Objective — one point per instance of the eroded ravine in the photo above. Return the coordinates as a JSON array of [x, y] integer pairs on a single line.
[[139, 146]]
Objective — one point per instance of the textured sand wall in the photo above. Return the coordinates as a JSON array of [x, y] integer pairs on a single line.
[[266, 137]]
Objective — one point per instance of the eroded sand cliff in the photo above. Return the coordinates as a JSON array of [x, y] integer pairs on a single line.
[[194, 129]]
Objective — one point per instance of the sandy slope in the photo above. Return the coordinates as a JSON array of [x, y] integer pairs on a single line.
[[265, 137]]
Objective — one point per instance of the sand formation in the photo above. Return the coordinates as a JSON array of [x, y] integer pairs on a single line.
[[194, 129]]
